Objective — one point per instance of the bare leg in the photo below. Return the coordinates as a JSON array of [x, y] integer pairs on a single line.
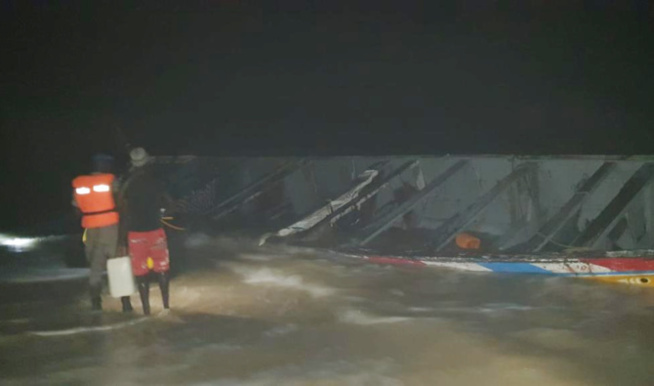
[[164, 284], [144, 291]]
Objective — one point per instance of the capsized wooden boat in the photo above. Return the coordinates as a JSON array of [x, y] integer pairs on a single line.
[[634, 267]]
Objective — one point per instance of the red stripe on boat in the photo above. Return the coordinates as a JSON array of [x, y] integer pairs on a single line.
[[394, 260], [622, 264]]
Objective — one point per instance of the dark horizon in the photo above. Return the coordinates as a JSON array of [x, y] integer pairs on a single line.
[[303, 78]]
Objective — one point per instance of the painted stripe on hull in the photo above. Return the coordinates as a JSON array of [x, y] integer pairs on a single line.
[[515, 268], [460, 266], [625, 273], [624, 264], [572, 268], [637, 280]]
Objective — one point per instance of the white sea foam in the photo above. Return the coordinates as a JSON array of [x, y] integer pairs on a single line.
[[277, 278], [78, 330], [43, 275], [362, 318]]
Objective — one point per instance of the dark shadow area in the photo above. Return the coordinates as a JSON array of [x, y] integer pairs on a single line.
[[339, 78]]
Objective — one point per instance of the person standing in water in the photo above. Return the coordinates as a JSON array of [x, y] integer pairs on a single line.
[[143, 196], [94, 196]]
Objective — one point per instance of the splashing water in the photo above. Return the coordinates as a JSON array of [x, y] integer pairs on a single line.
[[272, 316]]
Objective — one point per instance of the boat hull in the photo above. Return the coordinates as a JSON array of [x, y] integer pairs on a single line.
[[623, 270]]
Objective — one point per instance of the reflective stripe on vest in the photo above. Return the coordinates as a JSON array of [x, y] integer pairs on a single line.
[[95, 199]]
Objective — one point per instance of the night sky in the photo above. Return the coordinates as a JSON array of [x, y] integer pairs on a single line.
[[313, 78]]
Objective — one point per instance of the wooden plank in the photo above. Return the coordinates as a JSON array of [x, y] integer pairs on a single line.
[[254, 190], [448, 230], [344, 210], [604, 222], [549, 230], [379, 226]]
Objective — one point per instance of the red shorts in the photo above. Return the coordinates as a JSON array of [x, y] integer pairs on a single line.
[[151, 244]]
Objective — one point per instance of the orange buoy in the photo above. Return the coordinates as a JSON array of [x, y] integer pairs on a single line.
[[467, 241]]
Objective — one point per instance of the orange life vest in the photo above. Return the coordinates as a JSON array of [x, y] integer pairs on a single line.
[[95, 199]]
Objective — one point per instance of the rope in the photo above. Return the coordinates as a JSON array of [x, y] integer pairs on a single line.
[[163, 221]]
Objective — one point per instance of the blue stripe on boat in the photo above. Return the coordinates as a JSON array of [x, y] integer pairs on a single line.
[[515, 267]]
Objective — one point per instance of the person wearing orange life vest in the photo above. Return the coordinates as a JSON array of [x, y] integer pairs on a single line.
[[93, 195]]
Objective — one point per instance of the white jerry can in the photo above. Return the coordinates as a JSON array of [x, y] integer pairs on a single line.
[[121, 279]]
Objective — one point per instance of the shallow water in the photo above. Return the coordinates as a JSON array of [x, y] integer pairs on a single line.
[[283, 316]]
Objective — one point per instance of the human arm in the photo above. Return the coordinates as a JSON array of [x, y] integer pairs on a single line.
[[121, 207], [73, 202]]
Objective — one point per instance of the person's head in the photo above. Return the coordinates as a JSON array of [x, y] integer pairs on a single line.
[[139, 157], [103, 163]]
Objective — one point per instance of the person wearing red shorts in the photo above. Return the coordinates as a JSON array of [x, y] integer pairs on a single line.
[[148, 245], [143, 197]]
